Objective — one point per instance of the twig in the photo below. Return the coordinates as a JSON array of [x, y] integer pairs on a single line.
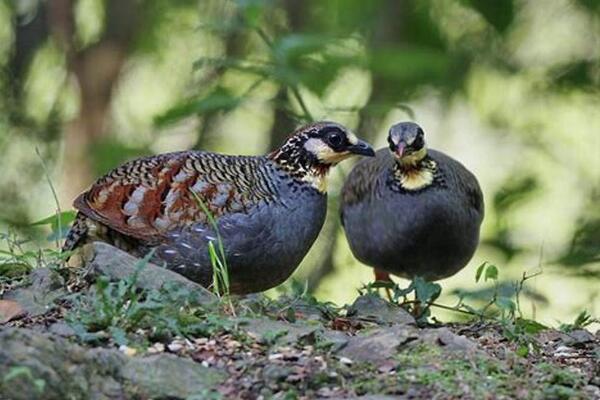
[[300, 100]]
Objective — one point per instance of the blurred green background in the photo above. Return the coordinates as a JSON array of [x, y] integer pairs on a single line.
[[510, 88]]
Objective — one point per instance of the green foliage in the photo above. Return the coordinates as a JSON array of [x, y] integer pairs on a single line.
[[270, 337], [25, 373], [217, 256], [109, 152], [220, 99], [499, 14], [429, 372], [59, 224], [585, 245], [425, 294], [491, 272], [513, 193], [582, 320], [18, 256], [118, 310]]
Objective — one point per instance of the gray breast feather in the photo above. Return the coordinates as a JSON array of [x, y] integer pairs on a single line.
[[272, 236], [432, 232]]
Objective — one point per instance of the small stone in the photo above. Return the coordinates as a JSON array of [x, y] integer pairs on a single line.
[[156, 348], [562, 349], [447, 339], [174, 347], [379, 344], [128, 351], [578, 338], [373, 308], [283, 333], [564, 352], [346, 360], [61, 329]]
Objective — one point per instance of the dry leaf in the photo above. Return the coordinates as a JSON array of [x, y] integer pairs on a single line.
[[10, 310]]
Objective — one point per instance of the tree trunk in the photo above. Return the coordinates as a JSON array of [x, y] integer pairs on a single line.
[[96, 69]]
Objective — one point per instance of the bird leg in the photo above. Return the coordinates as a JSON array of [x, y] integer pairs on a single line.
[[383, 276], [417, 309]]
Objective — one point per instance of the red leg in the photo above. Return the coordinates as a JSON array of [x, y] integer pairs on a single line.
[[383, 276]]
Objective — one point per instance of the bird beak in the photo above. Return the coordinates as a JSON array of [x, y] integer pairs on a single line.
[[400, 150], [362, 148]]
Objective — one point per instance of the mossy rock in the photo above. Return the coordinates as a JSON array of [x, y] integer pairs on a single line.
[[14, 270]]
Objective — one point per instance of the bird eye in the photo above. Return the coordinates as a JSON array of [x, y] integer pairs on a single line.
[[418, 143], [335, 139]]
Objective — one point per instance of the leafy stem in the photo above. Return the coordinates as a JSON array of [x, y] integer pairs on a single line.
[[294, 88]]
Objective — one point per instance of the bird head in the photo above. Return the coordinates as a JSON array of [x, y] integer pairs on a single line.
[[329, 143], [320, 145], [313, 149], [407, 142]]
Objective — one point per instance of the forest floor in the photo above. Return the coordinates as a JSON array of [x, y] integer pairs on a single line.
[[121, 329]]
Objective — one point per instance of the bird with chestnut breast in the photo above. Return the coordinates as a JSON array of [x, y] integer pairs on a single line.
[[412, 211], [268, 210]]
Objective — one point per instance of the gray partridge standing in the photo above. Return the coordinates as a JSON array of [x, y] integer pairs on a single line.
[[411, 211], [268, 209]]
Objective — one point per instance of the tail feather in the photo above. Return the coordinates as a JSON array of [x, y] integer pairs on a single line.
[[77, 233]]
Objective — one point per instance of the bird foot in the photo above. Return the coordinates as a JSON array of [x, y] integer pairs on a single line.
[[383, 276]]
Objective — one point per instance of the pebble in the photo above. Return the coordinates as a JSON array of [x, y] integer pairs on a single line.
[[175, 346], [346, 360], [156, 348], [128, 351]]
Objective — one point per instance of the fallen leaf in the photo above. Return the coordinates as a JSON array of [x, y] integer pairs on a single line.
[[10, 310]]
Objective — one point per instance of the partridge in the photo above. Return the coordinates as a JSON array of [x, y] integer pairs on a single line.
[[268, 210], [411, 211]]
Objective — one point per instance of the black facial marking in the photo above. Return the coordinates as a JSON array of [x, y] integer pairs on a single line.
[[418, 143], [391, 143]]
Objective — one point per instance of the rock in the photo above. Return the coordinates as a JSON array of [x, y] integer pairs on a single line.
[[369, 397], [269, 331], [308, 310], [104, 259], [37, 298], [577, 338], [61, 329], [445, 338], [276, 372], [166, 375], [14, 270], [373, 308], [334, 340], [41, 366], [378, 344]]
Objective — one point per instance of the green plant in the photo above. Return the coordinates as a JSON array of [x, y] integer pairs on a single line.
[[425, 294], [120, 311], [24, 372], [582, 320], [60, 219], [20, 257], [216, 254]]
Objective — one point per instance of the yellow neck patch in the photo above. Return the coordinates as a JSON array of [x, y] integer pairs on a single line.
[[316, 180], [416, 177], [411, 160]]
